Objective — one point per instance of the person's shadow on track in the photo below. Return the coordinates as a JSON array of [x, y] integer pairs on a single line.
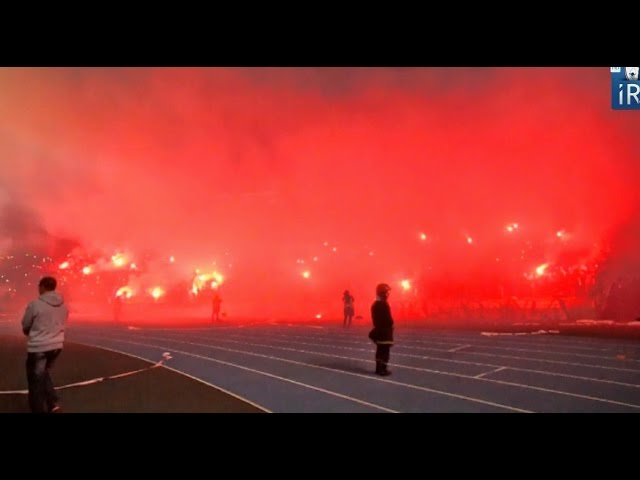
[[351, 368]]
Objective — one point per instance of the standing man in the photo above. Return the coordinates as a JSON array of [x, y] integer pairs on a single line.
[[382, 333], [216, 302], [43, 323], [348, 300]]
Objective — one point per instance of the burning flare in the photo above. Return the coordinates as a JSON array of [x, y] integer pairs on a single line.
[[126, 292], [156, 292], [119, 260], [201, 280], [541, 269]]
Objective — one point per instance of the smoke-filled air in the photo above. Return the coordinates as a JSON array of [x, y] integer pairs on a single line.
[[468, 190]]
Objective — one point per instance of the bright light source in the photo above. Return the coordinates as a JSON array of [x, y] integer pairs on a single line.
[[119, 259], [541, 269], [126, 292], [157, 292], [406, 285]]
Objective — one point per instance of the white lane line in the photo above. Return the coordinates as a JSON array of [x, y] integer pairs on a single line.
[[406, 335], [177, 371], [458, 348], [407, 341], [561, 340], [434, 336], [287, 380], [459, 375], [450, 360], [547, 352], [480, 354], [295, 362], [492, 371], [492, 355], [532, 359]]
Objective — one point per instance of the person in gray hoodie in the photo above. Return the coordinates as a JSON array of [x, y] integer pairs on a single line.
[[43, 323]]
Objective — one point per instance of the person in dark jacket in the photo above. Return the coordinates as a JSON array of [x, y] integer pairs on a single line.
[[382, 333]]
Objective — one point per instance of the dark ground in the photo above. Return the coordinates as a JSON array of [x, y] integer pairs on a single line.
[[156, 390]]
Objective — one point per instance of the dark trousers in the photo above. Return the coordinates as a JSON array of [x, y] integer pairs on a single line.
[[42, 396], [383, 351]]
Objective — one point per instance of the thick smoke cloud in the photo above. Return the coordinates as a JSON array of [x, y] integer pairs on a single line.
[[256, 168]]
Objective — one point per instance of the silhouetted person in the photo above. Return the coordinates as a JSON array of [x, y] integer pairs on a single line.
[[43, 323], [216, 302], [382, 333], [348, 301]]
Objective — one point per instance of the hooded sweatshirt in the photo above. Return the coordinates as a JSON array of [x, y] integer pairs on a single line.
[[44, 321]]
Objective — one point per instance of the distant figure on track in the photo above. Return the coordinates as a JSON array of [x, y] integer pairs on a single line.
[[348, 300], [43, 323], [216, 302], [382, 333]]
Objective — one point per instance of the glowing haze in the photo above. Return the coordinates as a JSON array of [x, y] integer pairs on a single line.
[[397, 170]]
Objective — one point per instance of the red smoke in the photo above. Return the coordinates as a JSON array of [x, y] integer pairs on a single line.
[[258, 168]]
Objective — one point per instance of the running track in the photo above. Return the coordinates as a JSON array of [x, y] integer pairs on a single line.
[[300, 368]]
